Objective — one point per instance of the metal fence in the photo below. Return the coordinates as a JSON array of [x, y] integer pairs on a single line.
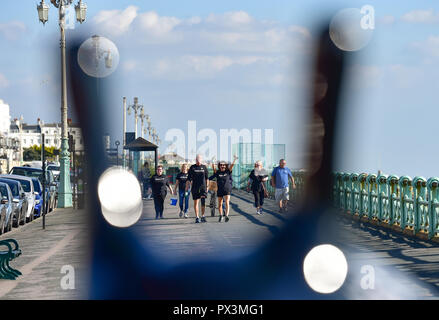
[[399, 202]]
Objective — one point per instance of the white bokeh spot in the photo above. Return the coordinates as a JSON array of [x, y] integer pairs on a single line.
[[120, 196], [325, 268]]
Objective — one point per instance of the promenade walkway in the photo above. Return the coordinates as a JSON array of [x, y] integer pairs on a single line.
[[405, 268]]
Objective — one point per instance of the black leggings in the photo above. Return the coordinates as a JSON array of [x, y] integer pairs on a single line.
[[159, 205], [259, 198]]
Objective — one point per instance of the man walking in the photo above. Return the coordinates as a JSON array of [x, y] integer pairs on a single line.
[[198, 181], [279, 180]]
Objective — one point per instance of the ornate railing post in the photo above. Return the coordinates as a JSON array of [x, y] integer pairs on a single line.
[[355, 193], [364, 196], [372, 190], [383, 199], [419, 197], [406, 201], [395, 203], [340, 189], [433, 197], [347, 192]]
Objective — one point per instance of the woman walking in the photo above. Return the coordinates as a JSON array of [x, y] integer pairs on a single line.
[[224, 182], [159, 182], [257, 179], [183, 195]]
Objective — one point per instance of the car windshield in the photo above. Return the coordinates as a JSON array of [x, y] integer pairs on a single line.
[[53, 168], [14, 188], [30, 172], [3, 191], [36, 186], [25, 185]]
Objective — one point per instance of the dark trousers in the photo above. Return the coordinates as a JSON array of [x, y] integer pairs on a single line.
[[159, 201], [183, 200], [259, 198]]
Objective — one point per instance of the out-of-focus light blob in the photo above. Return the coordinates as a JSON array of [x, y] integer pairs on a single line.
[[325, 268], [98, 57], [347, 32], [120, 196]]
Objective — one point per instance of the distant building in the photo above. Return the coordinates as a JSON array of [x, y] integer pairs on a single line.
[[30, 134], [172, 159], [5, 117]]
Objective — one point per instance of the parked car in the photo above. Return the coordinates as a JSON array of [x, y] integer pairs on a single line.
[[28, 188], [55, 170], [19, 202], [5, 208], [51, 185], [38, 188]]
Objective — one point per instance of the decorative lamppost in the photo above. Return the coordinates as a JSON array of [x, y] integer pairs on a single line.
[[135, 107], [65, 189]]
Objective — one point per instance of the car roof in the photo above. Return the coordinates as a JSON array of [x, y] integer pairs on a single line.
[[9, 180], [28, 168], [15, 176]]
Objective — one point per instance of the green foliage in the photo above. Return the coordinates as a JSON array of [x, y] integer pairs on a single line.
[[34, 153]]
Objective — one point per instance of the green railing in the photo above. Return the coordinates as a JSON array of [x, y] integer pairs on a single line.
[[408, 204]]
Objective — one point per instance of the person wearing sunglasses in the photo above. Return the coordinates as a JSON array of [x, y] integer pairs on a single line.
[[224, 181], [258, 177]]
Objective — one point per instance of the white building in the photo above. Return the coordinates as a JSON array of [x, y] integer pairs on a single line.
[[5, 117], [30, 135]]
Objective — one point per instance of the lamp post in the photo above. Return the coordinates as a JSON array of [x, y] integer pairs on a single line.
[[117, 143], [124, 141], [65, 189], [135, 107]]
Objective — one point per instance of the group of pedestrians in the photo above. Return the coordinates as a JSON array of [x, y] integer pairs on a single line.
[[195, 180]]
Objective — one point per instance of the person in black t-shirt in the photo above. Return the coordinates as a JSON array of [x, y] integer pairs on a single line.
[[224, 181], [159, 183], [183, 195], [257, 179], [198, 181]]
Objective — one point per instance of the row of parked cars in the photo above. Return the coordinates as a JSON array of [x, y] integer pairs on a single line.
[[22, 195]]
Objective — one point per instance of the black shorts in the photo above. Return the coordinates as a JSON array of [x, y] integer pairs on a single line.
[[224, 192], [198, 194]]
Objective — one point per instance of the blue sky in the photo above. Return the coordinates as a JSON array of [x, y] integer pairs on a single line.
[[240, 64]]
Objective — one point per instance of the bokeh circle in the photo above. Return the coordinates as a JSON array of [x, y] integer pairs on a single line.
[[98, 57]]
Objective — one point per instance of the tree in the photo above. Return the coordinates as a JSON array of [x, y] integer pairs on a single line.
[[34, 153]]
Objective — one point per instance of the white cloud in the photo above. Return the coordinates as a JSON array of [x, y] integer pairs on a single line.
[[116, 22], [156, 25], [129, 65], [386, 19], [429, 47], [421, 16], [405, 77], [230, 19], [12, 30], [3, 81]]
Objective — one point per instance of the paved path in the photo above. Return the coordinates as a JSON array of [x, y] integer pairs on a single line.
[[44, 253], [404, 268]]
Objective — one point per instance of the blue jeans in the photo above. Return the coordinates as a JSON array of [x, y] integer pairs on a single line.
[[181, 197]]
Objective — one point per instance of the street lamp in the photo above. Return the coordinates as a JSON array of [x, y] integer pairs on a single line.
[[43, 12], [81, 10], [117, 143], [65, 189], [135, 107]]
